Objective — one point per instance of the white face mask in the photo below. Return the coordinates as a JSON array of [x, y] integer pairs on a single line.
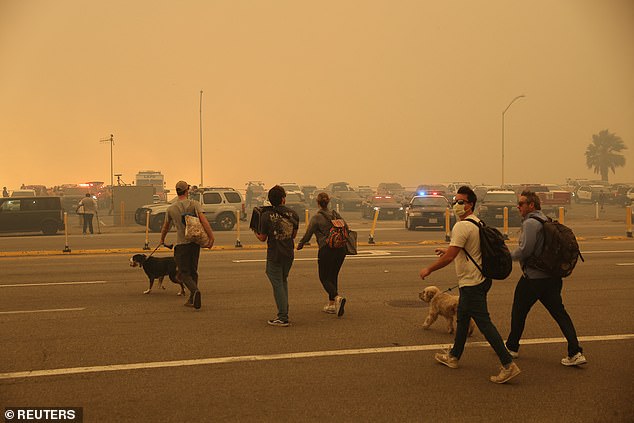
[[459, 210]]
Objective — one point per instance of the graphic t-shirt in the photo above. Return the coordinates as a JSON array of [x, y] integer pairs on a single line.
[[279, 224]]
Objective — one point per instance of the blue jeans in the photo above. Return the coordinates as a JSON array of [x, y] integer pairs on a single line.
[[277, 273], [548, 292], [473, 305]]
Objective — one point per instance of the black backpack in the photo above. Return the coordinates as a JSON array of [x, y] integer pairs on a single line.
[[496, 257], [560, 251]]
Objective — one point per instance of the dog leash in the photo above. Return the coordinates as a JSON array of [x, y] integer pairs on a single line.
[[449, 289], [170, 246]]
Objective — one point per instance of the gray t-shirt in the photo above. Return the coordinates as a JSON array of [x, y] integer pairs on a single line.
[[175, 216], [89, 205]]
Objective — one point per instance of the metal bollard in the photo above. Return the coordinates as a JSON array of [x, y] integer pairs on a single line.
[[376, 217], [447, 225], [122, 209], [147, 230], [238, 243], [66, 249], [505, 227], [337, 207], [628, 221], [561, 215]]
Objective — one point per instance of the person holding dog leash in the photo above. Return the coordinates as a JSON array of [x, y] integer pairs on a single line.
[[186, 253], [473, 286]]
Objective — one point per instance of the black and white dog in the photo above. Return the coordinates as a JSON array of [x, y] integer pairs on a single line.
[[158, 268]]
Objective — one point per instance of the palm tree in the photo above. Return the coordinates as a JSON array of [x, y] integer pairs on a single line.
[[603, 153]]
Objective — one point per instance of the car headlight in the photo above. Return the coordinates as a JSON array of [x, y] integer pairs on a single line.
[[401, 208], [377, 208]]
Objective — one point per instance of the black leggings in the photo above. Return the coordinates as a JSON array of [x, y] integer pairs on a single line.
[[329, 261]]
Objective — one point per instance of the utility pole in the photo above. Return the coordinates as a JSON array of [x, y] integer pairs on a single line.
[[503, 113], [201, 138], [111, 141]]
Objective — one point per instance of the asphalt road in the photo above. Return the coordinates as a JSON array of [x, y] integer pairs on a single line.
[[77, 331]]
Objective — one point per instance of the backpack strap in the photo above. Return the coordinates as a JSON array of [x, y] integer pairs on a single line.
[[465, 250]]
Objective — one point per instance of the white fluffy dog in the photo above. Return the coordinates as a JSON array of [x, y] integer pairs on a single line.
[[441, 303]]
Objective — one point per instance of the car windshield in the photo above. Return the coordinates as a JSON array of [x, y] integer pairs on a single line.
[[500, 197], [384, 200], [429, 201]]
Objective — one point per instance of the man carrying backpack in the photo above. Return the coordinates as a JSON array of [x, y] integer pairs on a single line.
[[536, 284], [279, 229], [473, 286]]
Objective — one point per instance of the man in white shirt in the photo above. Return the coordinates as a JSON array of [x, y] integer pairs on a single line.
[[473, 286]]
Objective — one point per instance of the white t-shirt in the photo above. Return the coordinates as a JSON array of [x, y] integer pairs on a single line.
[[466, 235]]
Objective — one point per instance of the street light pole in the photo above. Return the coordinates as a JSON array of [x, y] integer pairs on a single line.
[[201, 138], [507, 107], [111, 141]]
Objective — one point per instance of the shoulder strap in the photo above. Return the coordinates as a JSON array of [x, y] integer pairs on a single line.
[[539, 219], [465, 250]]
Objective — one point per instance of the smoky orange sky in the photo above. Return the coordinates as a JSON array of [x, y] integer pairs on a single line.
[[364, 91]]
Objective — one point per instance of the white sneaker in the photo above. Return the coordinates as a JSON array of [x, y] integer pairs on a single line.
[[575, 360], [506, 374], [329, 308]]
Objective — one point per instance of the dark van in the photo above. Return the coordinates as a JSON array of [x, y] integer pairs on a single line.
[[31, 214]]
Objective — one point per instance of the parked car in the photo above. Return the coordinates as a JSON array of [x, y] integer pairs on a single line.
[[365, 191], [388, 207], [551, 196], [220, 205], [23, 193], [308, 190], [491, 208], [337, 187], [290, 186], [346, 200], [296, 201], [591, 193], [427, 211], [31, 214]]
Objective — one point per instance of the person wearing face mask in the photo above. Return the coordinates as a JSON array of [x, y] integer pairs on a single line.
[[473, 287]]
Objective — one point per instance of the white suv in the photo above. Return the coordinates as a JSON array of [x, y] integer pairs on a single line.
[[219, 204]]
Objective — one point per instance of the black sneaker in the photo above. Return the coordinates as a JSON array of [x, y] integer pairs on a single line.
[[340, 303], [278, 322], [197, 300]]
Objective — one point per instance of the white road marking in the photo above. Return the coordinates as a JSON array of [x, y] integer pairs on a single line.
[[606, 251], [286, 356], [51, 310], [625, 264], [51, 284]]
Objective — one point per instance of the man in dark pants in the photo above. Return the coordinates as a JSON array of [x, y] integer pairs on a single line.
[[186, 253], [465, 236], [279, 229], [536, 284]]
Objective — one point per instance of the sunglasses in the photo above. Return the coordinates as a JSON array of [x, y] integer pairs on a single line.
[[461, 202]]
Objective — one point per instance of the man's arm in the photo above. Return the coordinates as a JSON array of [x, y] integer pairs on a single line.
[[527, 241], [446, 257]]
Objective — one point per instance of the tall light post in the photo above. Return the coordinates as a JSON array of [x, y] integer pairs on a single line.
[[504, 112], [111, 141], [201, 138]]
